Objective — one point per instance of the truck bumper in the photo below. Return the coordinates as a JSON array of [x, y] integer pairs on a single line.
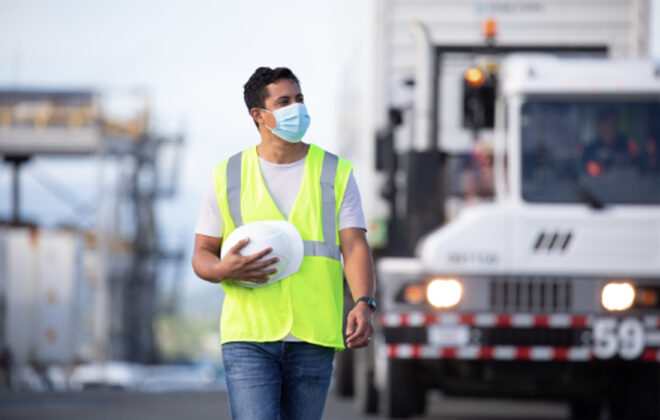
[[534, 337]]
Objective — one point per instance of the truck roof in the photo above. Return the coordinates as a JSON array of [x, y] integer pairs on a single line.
[[544, 74]]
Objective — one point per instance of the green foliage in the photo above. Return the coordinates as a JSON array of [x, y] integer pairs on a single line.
[[192, 332]]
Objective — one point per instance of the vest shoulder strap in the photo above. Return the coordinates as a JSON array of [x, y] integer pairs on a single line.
[[234, 188], [328, 202], [326, 248]]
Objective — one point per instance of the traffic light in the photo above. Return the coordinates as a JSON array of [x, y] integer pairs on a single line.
[[478, 99]]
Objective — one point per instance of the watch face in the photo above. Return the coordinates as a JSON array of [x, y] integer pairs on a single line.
[[371, 302]]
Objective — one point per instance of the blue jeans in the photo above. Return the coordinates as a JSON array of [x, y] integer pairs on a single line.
[[277, 380]]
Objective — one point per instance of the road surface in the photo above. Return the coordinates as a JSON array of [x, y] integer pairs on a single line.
[[112, 405]]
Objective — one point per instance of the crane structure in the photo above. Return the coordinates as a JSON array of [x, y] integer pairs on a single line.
[[118, 257]]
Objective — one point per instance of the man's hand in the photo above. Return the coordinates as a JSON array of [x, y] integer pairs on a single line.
[[359, 326], [208, 265], [246, 267]]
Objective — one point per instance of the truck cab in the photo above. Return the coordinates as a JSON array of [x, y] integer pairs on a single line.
[[576, 174], [552, 289]]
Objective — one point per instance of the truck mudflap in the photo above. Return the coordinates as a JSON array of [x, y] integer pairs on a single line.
[[536, 337]]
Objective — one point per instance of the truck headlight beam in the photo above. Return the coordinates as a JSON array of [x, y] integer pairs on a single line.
[[617, 296], [444, 293]]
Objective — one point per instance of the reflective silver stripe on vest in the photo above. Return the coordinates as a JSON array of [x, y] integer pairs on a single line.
[[234, 189], [328, 248], [321, 249], [328, 172]]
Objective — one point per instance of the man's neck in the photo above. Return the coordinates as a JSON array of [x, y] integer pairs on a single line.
[[276, 150]]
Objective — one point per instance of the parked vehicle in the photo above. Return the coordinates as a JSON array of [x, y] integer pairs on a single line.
[[521, 253]]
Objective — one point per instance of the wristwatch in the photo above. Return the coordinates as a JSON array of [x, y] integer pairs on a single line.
[[371, 302]]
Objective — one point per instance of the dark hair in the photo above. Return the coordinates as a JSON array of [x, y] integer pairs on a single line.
[[255, 91]]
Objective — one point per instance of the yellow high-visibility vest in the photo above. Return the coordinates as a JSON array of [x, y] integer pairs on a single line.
[[308, 303]]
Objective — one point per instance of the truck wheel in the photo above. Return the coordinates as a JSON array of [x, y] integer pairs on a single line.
[[582, 409], [640, 394], [344, 373], [404, 396], [365, 394]]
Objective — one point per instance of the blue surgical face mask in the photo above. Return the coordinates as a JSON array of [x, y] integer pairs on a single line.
[[292, 122]]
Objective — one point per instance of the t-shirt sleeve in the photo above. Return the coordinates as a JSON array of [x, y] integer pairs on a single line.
[[209, 220], [350, 211]]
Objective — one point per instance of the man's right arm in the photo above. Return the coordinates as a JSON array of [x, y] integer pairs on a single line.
[[206, 260], [208, 266]]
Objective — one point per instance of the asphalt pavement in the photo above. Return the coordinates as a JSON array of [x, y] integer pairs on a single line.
[[202, 405]]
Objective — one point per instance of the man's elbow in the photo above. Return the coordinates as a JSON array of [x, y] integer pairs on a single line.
[[197, 266]]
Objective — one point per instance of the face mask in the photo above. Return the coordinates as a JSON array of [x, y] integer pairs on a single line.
[[292, 122]]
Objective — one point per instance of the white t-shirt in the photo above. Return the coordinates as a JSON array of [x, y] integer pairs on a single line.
[[283, 182]]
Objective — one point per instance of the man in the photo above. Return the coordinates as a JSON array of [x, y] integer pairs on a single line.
[[278, 341], [610, 150]]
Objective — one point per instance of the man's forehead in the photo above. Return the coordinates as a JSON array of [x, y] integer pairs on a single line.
[[283, 87]]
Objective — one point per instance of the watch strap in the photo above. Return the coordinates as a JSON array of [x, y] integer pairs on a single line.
[[368, 300]]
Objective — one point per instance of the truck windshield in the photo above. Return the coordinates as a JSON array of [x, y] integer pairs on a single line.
[[608, 151]]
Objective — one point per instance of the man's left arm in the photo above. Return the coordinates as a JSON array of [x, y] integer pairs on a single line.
[[359, 270]]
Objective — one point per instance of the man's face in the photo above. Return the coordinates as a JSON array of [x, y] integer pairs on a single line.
[[281, 93], [608, 129]]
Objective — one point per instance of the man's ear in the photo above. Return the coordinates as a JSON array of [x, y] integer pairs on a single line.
[[256, 115]]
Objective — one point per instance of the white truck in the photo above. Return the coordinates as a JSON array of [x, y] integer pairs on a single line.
[[552, 290], [523, 231]]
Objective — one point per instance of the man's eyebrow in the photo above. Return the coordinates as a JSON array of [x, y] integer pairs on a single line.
[[285, 97]]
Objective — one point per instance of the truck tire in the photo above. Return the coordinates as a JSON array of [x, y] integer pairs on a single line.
[[639, 395], [344, 373], [584, 409], [365, 393], [403, 395]]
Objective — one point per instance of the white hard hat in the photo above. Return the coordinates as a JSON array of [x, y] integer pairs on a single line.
[[282, 236]]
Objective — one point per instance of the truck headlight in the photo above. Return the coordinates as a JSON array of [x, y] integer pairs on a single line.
[[444, 293], [617, 296]]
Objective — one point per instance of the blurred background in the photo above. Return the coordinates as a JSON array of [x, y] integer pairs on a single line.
[[113, 114]]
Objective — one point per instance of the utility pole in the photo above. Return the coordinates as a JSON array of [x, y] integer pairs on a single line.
[[16, 161]]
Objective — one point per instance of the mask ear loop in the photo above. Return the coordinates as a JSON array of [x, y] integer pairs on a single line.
[[266, 125]]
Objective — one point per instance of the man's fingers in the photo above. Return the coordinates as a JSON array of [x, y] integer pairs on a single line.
[[263, 264], [369, 332], [359, 343], [359, 331], [360, 337], [252, 257], [258, 276], [239, 245], [258, 255], [261, 273], [256, 279], [350, 324]]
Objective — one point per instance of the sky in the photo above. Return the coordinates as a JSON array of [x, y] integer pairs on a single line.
[[193, 58]]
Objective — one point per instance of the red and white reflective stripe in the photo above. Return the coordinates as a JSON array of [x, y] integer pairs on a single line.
[[651, 355], [422, 351], [418, 319]]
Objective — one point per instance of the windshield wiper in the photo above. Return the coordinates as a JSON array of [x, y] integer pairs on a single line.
[[566, 172]]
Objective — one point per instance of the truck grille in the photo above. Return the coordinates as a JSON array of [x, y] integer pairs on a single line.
[[556, 337], [530, 294]]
